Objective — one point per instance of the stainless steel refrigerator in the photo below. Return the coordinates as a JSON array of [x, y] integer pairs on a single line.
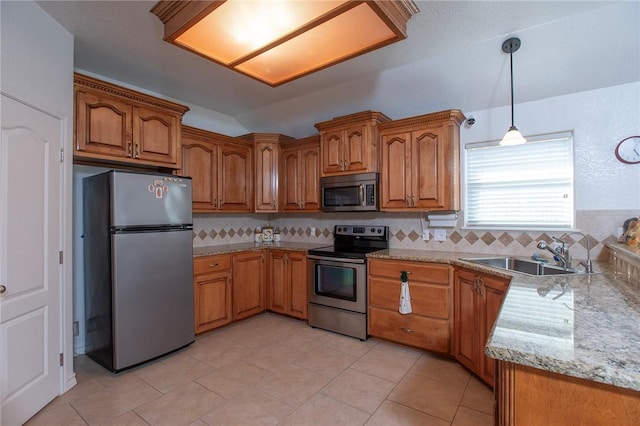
[[138, 273]]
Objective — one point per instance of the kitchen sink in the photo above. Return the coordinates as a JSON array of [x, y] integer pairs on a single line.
[[524, 266]]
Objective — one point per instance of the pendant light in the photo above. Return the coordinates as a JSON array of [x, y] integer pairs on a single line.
[[513, 136]]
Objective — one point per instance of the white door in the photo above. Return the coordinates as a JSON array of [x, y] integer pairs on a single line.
[[30, 271]]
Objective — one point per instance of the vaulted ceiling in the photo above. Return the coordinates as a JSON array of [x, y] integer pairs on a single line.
[[452, 58]]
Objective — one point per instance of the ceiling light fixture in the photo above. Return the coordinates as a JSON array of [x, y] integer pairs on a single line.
[[276, 41], [513, 136]]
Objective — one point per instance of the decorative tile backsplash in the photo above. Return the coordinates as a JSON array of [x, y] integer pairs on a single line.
[[406, 232]]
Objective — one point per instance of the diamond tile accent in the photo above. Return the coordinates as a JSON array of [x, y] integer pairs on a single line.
[[202, 234], [222, 233], [455, 237], [240, 232], [213, 234], [471, 238], [413, 236], [524, 239], [232, 232], [544, 237], [488, 238], [326, 232], [505, 239], [300, 232], [400, 235]]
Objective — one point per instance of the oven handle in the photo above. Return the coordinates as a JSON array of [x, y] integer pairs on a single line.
[[335, 259]]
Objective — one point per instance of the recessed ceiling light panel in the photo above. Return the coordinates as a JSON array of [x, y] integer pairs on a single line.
[[276, 41]]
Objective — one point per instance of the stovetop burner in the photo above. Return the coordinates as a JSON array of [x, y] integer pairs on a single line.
[[355, 241]]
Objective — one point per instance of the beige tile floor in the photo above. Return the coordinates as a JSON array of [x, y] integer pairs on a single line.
[[270, 370]]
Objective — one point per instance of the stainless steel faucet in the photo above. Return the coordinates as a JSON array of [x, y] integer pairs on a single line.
[[562, 252], [588, 266]]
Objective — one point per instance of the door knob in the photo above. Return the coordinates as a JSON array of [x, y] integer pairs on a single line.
[[3, 289]]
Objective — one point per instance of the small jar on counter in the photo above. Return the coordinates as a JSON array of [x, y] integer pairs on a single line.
[[257, 235], [267, 233]]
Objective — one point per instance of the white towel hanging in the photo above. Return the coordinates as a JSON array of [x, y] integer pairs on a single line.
[[405, 299]]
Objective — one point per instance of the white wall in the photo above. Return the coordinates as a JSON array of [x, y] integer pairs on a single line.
[[37, 67], [599, 119]]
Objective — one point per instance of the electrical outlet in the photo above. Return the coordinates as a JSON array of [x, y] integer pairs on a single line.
[[440, 234], [313, 231], [425, 234]]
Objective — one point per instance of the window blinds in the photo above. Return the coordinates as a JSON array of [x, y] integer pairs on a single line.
[[526, 186]]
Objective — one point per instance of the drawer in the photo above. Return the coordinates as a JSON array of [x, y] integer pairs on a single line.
[[207, 264], [413, 330], [423, 272], [426, 299]]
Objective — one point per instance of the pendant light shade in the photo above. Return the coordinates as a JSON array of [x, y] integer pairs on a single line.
[[513, 136]]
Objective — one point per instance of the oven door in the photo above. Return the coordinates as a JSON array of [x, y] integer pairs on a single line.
[[338, 282]]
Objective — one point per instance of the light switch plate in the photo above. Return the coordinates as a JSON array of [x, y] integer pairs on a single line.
[[440, 234], [425, 234], [313, 231]]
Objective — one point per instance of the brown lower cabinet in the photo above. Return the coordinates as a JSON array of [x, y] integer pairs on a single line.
[[248, 284], [212, 292], [288, 283], [478, 298], [430, 324], [527, 396]]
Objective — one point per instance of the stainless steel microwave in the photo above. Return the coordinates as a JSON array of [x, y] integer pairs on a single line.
[[350, 193]]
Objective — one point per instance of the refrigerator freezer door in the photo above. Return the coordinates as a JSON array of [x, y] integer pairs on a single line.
[[152, 295], [144, 199]]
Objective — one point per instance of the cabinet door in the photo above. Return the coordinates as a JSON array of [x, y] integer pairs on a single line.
[[357, 150], [466, 319], [103, 126], [212, 301], [290, 180], [297, 300], [235, 183], [278, 281], [199, 161], [332, 153], [310, 179], [427, 170], [248, 284], [396, 171], [155, 136], [266, 189], [491, 297]]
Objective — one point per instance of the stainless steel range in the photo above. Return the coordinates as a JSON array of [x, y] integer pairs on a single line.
[[338, 279]]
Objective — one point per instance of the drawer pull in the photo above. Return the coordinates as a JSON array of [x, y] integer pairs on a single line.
[[407, 330], [213, 265]]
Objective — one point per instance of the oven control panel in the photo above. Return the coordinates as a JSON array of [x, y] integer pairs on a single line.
[[361, 230]]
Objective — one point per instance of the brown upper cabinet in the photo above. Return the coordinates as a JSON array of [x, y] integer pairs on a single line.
[[299, 177], [266, 155], [221, 169], [349, 144], [421, 162], [114, 124]]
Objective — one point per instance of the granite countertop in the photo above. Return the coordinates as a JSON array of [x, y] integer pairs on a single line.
[[234, 248], [585, 326]]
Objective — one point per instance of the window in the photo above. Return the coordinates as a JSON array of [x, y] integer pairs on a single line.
[[526, 186]]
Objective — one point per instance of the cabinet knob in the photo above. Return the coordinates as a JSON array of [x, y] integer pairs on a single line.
[[3, 289], [129, 149], [213, 265], [406, 330], [137, 146]]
